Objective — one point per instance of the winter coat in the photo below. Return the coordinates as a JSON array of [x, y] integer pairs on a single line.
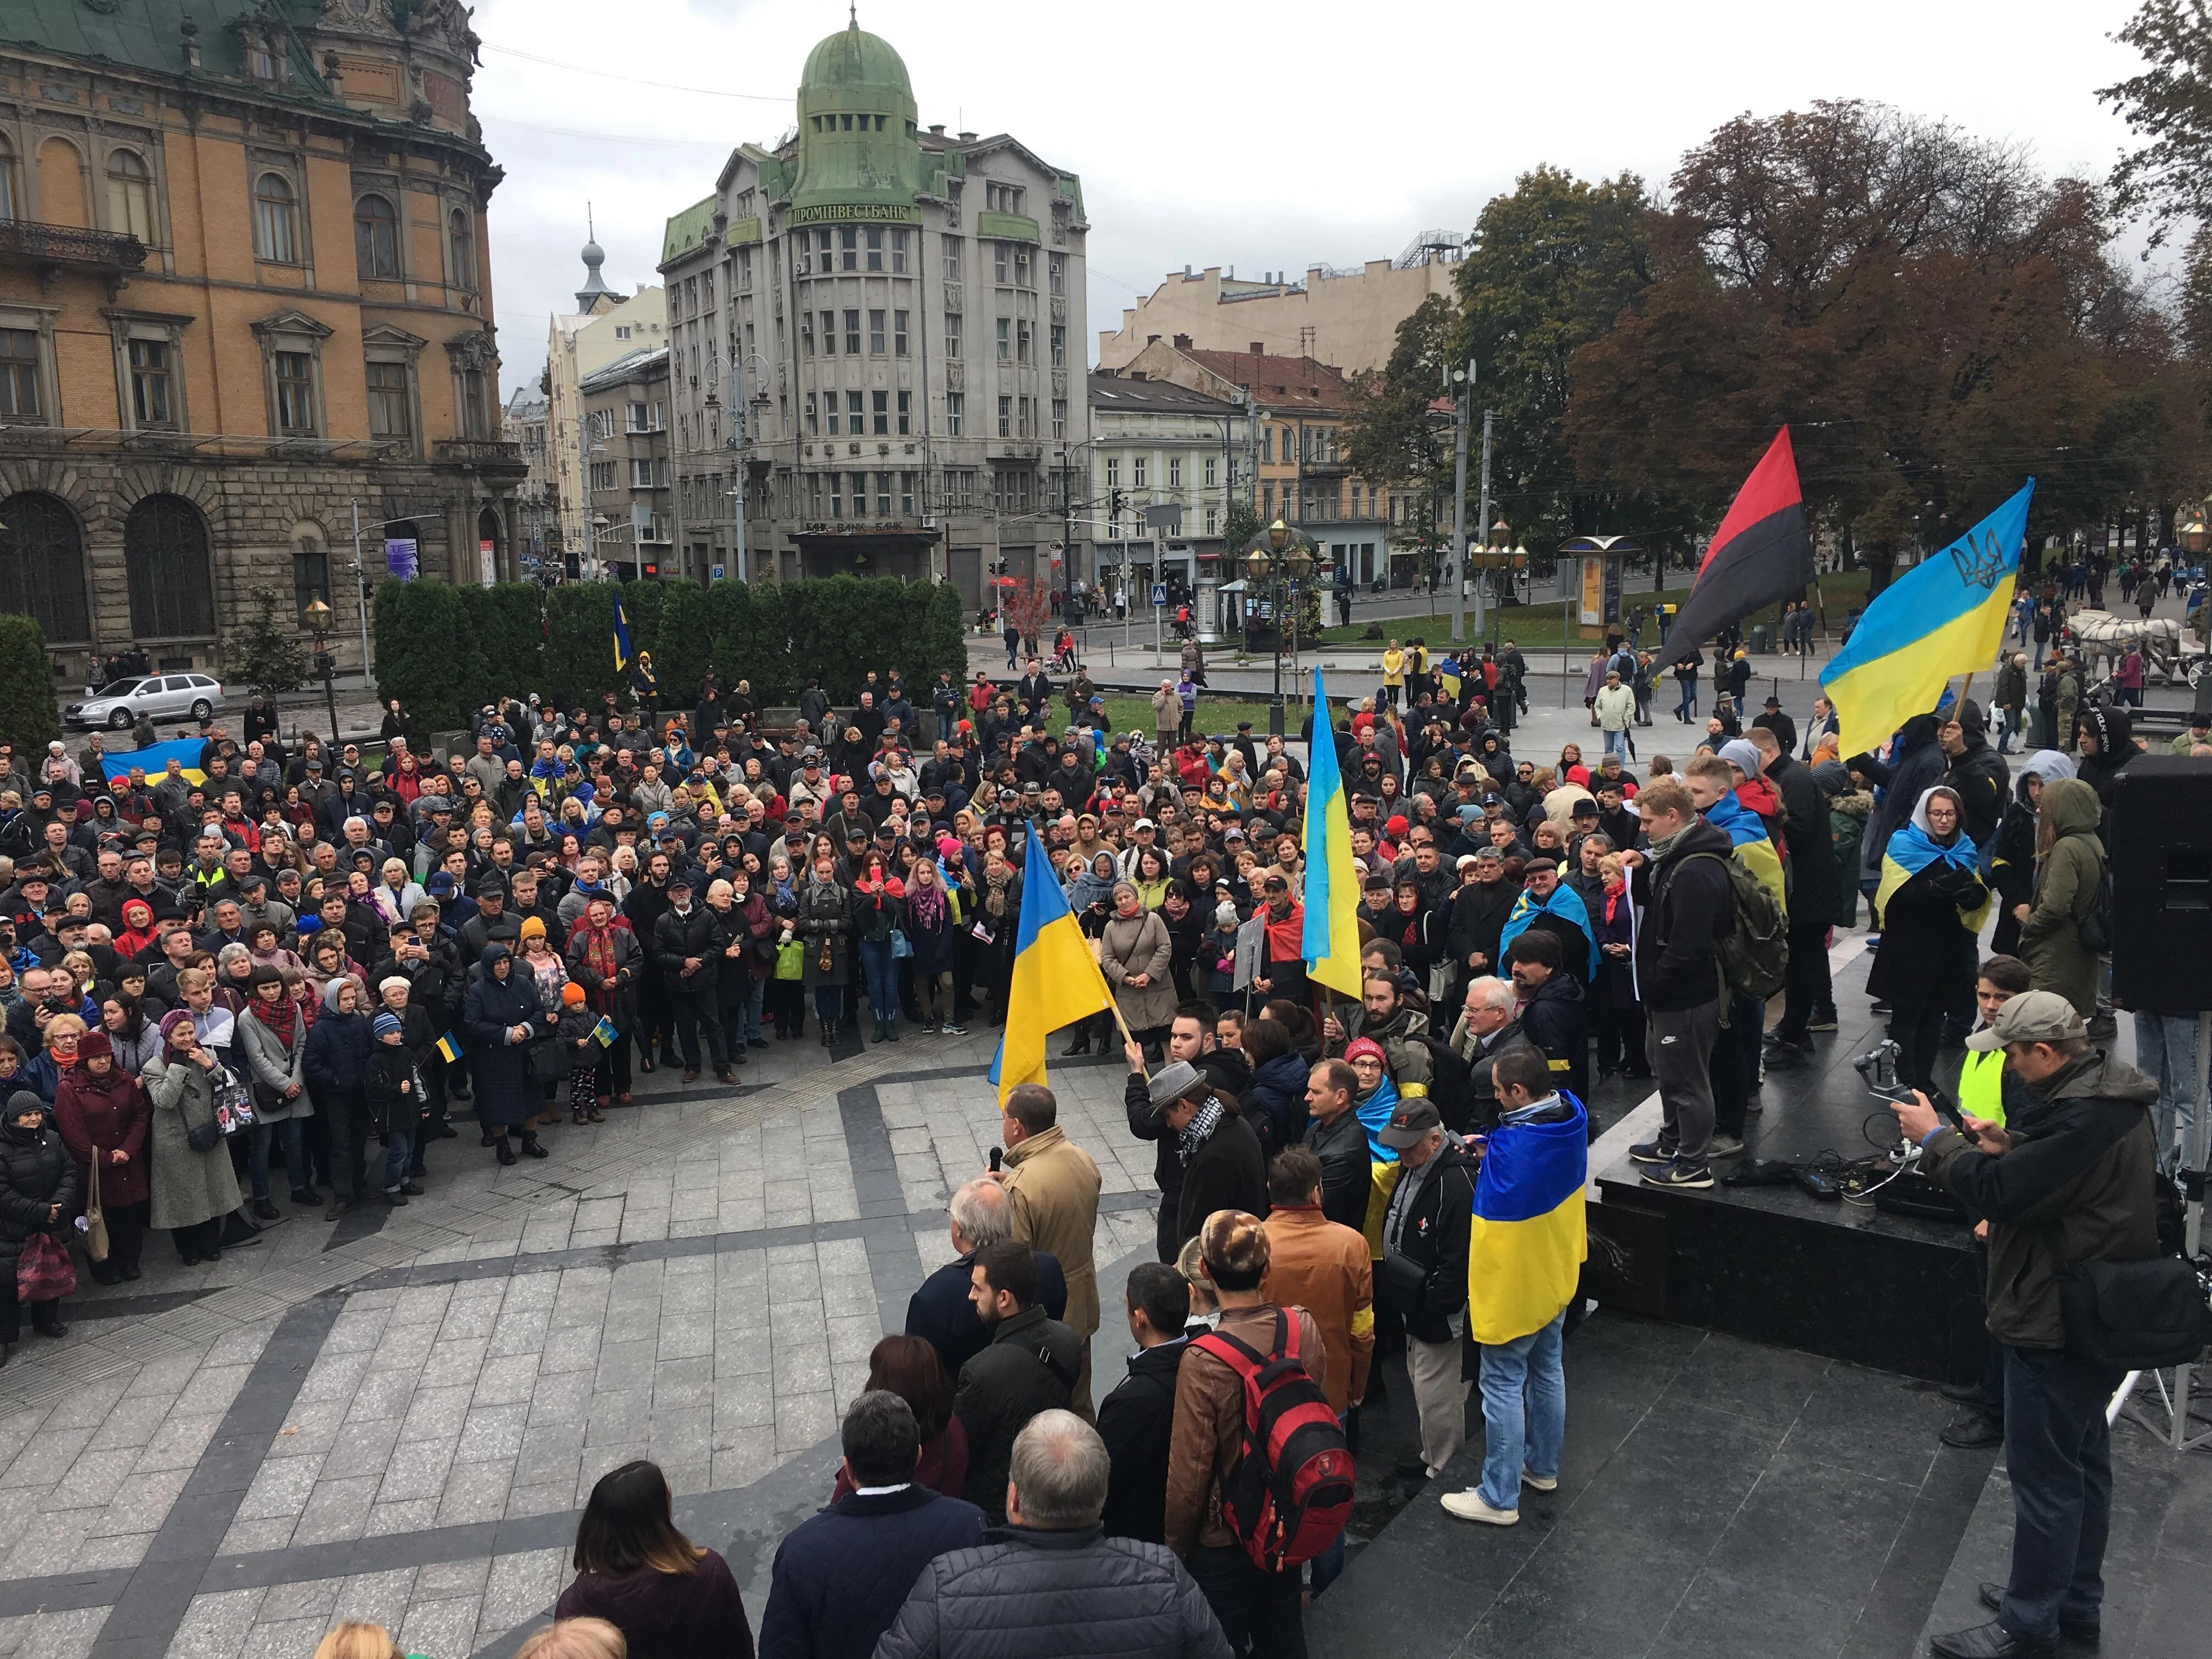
[[1230, 1074], [1069, 1594], [1029, 1365], [505, 1094], [189, 1186], [338, 1050], [1324, 1267], [1278, 1093], [1686, 905], [1347, 1180], [98, 1117], [842, 1575], [390, 1107], [1052, 1204], [1847, 821], [933, 941], [618, 1000], [1138, 945], [1928, 957], [667, 1616], [1137, 1423], [1556, 1018], [263, 1063], [1815, 877], [36, 1172], [1209, 1428], [1431, 1240], [2065, 893], [825, 915], [1228, 1172]]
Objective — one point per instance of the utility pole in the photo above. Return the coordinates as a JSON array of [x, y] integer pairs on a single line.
[[1465, 413], [1482, 526]]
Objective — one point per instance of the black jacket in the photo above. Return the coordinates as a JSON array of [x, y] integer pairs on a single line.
[[1982, 778], [1432, 1238], [1029, 1365], [1346, 1177], [1137, 1423], [675, 937], [389, 1107], [1229, 1172], [1686, 906], [1482, 1089], [1230, 1074], [1478, 915], [1556, 1018], [36, 1171], [1816, 884], [941, 1314]]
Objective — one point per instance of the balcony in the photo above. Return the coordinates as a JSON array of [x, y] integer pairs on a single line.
[[1333, 467], [481, 455], [53, 249]]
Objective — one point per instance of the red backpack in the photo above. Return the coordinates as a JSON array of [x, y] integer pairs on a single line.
[[1289, 1493]]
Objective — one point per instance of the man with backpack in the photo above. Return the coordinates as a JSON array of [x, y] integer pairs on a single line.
[[1222, 1522], [1682, 891]]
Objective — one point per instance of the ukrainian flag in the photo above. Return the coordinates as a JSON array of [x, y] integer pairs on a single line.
[[449, 1049], [1754, 847], [1331, 945], [1945, 616], [155, 761], [623, 651], [1913, 849], [1056, 979], [1531, 1237]]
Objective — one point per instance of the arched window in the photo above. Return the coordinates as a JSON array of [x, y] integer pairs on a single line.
[[376, 238], [42, 567], [130, 195], [165, 555], [461, 237], [274, 221], [7, 180]]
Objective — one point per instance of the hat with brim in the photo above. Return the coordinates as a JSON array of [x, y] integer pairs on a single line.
[[1409, 1126], [1174, 1082], [2030, 1017]]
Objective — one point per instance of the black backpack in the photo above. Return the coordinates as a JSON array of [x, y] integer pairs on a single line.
[[2096, 929], [1451, 1080]]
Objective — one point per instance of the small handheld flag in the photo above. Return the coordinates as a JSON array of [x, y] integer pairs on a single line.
[[623, 651], [1760, 554], [447, 1048], [605, 1031], [1056, 979], [1946, 615]]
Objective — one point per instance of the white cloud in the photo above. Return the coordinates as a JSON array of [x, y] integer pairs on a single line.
[[1266, 136]]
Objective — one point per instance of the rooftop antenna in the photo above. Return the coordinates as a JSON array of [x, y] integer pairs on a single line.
[[854, 15]]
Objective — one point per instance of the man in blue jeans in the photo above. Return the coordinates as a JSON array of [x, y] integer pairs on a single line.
[[1524, 1259]]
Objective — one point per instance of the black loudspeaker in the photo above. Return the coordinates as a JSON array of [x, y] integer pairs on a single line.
[[2162, 862]]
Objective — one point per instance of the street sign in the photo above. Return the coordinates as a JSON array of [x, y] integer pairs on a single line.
[[1159, 592], [719, 572]]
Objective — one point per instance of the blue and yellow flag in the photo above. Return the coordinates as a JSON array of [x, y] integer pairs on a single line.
[[622, 653], [1912, 848], [155, 761], [1056, 979], [1331, 943], [1754, 847], [449, 1048], [1945, 616], [1566, 904], [1525, 1255]]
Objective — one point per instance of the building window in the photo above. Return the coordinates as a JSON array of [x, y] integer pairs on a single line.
[[956, 409], [276, 224], [707, 288], [1022, 266], [875, 334], [1023, 427], [849, 247], [640, 417], [812, 426], [390, 413], [261, 60], [461, 244], [852, 332], [898, 333], [1139, 471], [1267, 444], [129, 196], [376, 239], [881, 403], [1006, 417], [952, 335], [476, 405], [951, 257], [1059, 346], [830, 399], [875, 249], [906, 495], [883, 494], [1267, 501], [853, 413], [7, 196], [295, 393], [836, 494], [906, 414], [311, 575], [1113, 472], [1212, 464], [1212, 521], [42, 567], [1175, 472], [745, 269], [1056, 268], [1005, 340], [150, 405], [829, 334], [960, 489], [19, 374], [603, 475], [165, 557], [1022, 340], [1003, 198], [806, 334], [999, 263], [898, 249]]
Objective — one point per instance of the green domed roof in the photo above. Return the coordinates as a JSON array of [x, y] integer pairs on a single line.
[[854, 59]]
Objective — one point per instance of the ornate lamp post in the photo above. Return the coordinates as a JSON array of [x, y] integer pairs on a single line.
[[317, 617], [1282, 559]]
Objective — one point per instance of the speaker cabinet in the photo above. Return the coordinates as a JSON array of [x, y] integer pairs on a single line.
[[2161, 861]]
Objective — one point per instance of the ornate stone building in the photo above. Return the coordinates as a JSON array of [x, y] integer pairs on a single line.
[[243, 294], [898, 314]]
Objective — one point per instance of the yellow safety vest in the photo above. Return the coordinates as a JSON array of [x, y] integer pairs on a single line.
[[1981, 1086]]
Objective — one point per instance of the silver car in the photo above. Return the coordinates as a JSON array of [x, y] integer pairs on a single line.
[[120, 704]]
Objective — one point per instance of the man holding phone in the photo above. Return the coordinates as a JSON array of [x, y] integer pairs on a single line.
[[2066, 1179]]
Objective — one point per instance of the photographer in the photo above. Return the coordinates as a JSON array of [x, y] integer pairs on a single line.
[[2066, 1179]]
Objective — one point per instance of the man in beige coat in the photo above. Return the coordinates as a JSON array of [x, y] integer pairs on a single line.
[[1052, 1189]]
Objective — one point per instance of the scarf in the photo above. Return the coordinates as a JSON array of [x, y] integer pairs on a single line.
[[281, 1016], [994, 902], [926, 905], [1198, 1131], [1374, 1113]]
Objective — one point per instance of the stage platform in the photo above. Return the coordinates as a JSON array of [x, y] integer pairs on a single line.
[[1834, 1278]]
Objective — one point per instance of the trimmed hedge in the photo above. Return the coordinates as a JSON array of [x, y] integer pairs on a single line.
[[29, 717], [445, 651]]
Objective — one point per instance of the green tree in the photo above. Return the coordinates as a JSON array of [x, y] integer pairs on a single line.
[[683, 643], [2169, 104], [265, 650], [1240, 524], [29, 716]]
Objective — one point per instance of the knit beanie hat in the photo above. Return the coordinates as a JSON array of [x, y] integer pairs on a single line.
[[387, 1025], [572, 994]]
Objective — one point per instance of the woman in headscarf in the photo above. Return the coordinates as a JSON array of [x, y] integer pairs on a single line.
[[137, 936], [504, 1018], [823, 923], [2013, 855], [1931, 906], [268, 1048], [188, 1166], [103, 1115], [37, 1195], [1090, 883]]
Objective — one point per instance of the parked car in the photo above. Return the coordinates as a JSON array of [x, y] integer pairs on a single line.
[[120, 704]]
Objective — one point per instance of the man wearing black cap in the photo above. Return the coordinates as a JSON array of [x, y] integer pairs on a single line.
[[686, 950], [491, 925], [1422, 1276]]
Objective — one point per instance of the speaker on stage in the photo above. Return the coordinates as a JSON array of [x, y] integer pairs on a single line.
[[2161, 864]]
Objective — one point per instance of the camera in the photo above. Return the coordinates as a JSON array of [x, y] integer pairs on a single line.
[[1877, 1068]]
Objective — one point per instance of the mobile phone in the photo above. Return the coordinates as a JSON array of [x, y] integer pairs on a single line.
[[998, 1159]]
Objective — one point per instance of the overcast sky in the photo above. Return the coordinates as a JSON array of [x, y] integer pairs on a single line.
[[1268, 136]]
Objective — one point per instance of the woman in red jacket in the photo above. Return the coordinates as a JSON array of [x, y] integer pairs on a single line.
[[102, 1113]]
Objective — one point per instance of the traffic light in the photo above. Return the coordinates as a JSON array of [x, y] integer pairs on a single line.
[[325, 665], [1119, 504], [573, 565]]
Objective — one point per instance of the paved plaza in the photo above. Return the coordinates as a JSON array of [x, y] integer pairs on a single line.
[[398, 1416]]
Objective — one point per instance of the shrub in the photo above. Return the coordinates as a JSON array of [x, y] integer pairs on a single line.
[[29, 715]]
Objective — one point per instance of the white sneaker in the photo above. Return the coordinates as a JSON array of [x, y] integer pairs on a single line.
[[1539, 1482], [1468, 1506]]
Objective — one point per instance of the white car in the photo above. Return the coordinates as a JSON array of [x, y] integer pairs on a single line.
[[119, 705]]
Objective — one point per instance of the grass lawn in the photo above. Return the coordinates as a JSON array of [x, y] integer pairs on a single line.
[[1215, 713], [1537, 626]]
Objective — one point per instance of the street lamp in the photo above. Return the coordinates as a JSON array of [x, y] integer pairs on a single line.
[[1283, 560], [318, 617]]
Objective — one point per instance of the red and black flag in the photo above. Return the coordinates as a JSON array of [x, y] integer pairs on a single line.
[[1760, 554]]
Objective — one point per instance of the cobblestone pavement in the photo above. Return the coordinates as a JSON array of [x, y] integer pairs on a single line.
[[398, 1415]]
